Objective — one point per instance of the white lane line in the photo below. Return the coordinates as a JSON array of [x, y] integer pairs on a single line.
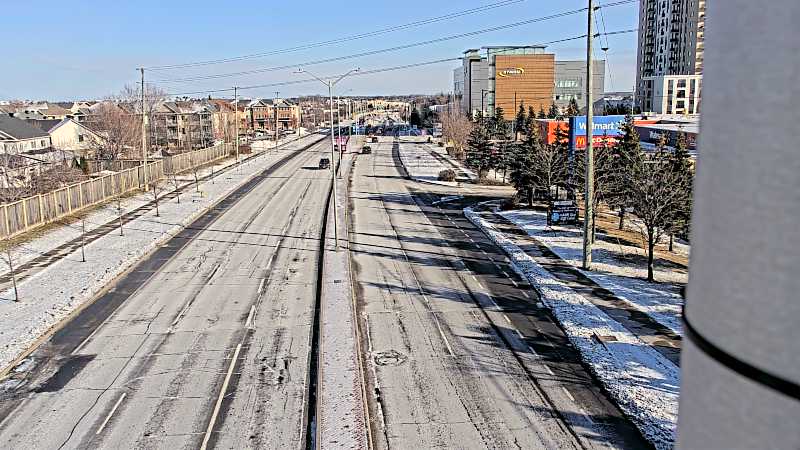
[[526, 294], [505, 274], [260, 287], [111, 413], [507, 319], [473, 277], [521, 336], [514, 283], [219, 399], [444, 338], [249, 322], [568, 393]]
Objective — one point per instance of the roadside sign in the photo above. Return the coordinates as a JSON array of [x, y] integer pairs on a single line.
[[563, 212]]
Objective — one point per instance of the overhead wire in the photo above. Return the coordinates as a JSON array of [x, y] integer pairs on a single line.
[[369, 72], [378, 32]]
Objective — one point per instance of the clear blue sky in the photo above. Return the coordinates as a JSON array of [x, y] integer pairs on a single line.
[[61, 50]]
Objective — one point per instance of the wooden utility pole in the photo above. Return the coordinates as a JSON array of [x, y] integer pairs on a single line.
[[236, 120], [144, 134], [588, 194]]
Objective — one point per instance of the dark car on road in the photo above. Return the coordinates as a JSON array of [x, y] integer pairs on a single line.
[[366, 150], [324, 163]]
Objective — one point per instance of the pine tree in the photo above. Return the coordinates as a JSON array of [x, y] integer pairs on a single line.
[[530, 122], [479, 148], [542, 114], [500, 128], [554, 113], [624, 154], [572, 108], [520, 121]]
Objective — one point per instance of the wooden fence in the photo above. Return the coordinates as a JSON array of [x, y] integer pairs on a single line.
[[31, 212]]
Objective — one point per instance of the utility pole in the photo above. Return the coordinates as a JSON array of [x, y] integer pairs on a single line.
[[588, 194], [144, 135], [236, 120], [275, 107], [330, 84]]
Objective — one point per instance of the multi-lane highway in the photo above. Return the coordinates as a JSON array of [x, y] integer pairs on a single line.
[[210, 344], [459, 353]]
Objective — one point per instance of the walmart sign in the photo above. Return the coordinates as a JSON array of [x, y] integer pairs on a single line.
[[602, 126]]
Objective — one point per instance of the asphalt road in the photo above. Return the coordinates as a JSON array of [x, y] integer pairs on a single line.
[[205, 343], [459, 353]]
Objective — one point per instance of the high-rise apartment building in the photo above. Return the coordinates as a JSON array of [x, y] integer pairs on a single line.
[[671, 39]]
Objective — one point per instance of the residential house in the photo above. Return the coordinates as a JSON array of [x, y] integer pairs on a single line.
[[181, 125], [223, 119], [69, 134], [262, 115], [17, 136]]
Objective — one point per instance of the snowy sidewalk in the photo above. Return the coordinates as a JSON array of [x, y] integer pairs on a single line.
[[37, 249], [61, 284], [643, 382]]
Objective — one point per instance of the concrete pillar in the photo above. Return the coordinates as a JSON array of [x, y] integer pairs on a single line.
[[741, 371]]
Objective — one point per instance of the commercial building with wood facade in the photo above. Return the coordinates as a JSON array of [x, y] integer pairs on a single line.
[[507, 76]]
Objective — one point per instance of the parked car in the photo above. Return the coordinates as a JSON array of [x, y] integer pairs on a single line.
[[366, 150], [374, 139], [324, 163]]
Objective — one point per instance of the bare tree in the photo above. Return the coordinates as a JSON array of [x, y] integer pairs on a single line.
[[118, 122], [456, 127], [657, 192]]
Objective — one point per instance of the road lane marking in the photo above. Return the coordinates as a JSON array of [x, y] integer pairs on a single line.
[[505, 274], [111, 413], [514, 283], [507, 319], [444, 338], [587, 416], [249, 322], [521, 336], [526, 294], [218, 405], [261, 287], [568, 393]]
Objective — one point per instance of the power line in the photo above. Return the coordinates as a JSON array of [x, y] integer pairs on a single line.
[[374, 52], [374, 71], [341, 40]]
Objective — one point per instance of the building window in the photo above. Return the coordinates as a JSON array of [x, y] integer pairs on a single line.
[[80, 138]]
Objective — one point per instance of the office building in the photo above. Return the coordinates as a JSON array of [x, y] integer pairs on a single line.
[[508, 76]]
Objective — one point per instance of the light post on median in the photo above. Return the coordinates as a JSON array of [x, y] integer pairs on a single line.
[[330, 83]]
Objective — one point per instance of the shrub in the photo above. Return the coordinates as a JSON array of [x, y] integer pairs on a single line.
[[447, 175]]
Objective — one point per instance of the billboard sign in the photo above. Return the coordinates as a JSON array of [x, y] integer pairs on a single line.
[[653, 136], [603, 126]]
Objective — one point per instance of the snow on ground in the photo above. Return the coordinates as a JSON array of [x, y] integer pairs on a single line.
[[620, 268], [421, 165], [644, 384], [50, 295]]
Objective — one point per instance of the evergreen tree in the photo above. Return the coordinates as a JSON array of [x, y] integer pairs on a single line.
[[624, 154], [414, 118], [479, 148], [554, 112], [520, 121], [682, 166], [572, 108], [530, 122], [500, 128], [542, 114]]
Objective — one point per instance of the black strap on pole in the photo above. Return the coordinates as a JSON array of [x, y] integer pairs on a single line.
[[747, 370]]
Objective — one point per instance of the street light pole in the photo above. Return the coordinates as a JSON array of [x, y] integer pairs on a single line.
[[144, 134], [330, 84], [588, 194]]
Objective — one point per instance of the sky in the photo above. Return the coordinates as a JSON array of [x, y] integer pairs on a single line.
[[84, 49]]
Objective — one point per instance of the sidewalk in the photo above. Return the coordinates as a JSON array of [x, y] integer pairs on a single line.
[[55, 282], [621, 348]]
